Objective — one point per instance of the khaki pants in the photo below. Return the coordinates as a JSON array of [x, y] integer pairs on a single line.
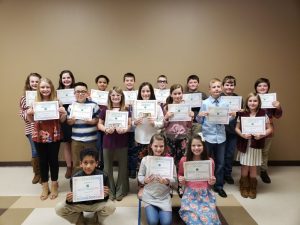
[[265, 154], [71, 212], [77, 147]]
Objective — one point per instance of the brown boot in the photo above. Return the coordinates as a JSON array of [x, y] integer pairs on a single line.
[[244, 187], [45, 191], [35, 163], [54, 190], [253, 185], [69, 171]]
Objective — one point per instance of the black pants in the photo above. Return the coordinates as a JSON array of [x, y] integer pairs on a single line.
[[48, 153]]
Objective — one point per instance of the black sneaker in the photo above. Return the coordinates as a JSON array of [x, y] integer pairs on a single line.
[[220, 192], [265, 177], [229, 179]]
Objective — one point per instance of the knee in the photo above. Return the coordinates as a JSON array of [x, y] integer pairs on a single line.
[[60, 209]]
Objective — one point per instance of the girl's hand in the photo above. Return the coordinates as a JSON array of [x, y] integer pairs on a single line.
[[149, 179], [106, 191], [181, 180], [121, 130], [138, 121], [62, 111], [246, 136], [161, 180], [30, 111], [212, 180], [258, 136], [201, 114], [232, 114], [169, 115], [109, 130], [69, 197], [191, 114], [276, 104]]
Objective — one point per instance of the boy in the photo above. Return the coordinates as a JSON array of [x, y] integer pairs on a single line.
[[129, 80], [214, 134], [73, 212], [228, 86], [84, 132], [162, 82], [262, 86]]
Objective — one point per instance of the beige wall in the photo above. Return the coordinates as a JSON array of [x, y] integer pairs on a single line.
[[210, 38]]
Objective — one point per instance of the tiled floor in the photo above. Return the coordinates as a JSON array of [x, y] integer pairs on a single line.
[[276, 203]]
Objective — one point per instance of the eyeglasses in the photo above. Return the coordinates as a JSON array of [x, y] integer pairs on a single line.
[[162, 81], [81, 92]]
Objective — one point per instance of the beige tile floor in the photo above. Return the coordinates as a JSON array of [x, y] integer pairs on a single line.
[[276, 203]]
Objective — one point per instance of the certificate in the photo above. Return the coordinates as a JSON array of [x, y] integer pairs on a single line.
[[100, 97], [161, 166], [218, 115], [161, 94], [130, 97], [116, 119], [197, 170], [253, 125], [145, 108], [87, 188], [193, 99], [30, 97], [181, 112], [267, 100], [66, 96], [47, 110], [82, 111], [234, 102]]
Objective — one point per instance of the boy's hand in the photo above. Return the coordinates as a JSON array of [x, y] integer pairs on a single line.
[[69, 197], [201, 114], [138, 121], [106, 191]]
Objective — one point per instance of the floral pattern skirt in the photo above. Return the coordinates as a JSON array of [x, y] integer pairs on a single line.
[[198, 206]]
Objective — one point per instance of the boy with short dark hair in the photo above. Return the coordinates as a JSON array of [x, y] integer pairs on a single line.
[[73, 212]]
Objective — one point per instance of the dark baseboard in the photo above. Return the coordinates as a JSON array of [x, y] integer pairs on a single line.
[[236, 163]]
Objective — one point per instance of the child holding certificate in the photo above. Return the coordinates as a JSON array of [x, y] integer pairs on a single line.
[[145, 127], [250, 146], [73, 211], [115, 143], [156, 192], [67, 81], [262, 86], [46, 136], [198, 203], [31, 84]]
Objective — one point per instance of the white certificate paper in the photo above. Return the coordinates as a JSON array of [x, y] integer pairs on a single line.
[[116, 119], [197, 170], [218, 115], [66, 96], [267, 100], [130, 97], [47, 110], [181, 112], [88, 188], [161, 166], [145, 108], [253, 125], [82, 111], [30, 97], [161, 94], [193, 99], [234, 102], [100, 97]]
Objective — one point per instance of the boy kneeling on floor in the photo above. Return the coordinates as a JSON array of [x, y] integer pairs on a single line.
[[73, 211]]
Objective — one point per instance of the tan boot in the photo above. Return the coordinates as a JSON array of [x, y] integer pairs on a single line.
[[244, 187], [45, 191], [35, 163], [253, 185], [69, 171], [54, 190]]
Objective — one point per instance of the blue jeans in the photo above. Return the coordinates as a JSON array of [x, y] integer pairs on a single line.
[[217, 152], [34, 153], [155, 215], [230, 147]]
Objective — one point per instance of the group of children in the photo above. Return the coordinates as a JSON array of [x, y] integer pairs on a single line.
[[157, 136]]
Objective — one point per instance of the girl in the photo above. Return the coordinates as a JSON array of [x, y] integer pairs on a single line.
[[198, 204], [115, 146], [102, 82], [262, 86], [250, 146], [66, 81], [31, 84], [156, 192], [145, 128], [46, 136], [177, 132]]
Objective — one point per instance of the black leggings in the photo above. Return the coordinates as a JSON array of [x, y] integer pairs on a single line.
[[48, 153]]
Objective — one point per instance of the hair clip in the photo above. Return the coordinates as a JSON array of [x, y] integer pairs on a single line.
[[201, 136]]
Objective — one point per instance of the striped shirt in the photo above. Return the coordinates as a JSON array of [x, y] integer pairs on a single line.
[[81, 131], [23, 114]]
